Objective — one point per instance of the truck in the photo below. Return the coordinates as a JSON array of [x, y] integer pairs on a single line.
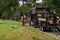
[[42, 18]]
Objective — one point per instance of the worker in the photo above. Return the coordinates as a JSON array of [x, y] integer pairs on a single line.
[[54, 16]]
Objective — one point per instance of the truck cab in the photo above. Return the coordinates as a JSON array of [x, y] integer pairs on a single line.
[[39, 15]]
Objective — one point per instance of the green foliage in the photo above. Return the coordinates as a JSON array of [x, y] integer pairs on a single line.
[[53, 4], [22, 32], [11, 7], [6, 5]]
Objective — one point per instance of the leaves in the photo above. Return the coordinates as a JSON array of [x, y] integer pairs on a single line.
[[52, 4]]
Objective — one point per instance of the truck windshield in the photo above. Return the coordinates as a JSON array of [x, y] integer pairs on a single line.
[[41, 15]]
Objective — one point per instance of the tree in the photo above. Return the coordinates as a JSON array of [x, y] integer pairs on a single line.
[[6, 5], [53, 4]]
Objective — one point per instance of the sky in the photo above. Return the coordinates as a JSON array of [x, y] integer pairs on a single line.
[[38, 1]]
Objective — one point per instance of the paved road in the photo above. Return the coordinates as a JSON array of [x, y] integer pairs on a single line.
[[53, 34]]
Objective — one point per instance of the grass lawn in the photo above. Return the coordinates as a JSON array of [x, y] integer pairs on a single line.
[[20, 33]]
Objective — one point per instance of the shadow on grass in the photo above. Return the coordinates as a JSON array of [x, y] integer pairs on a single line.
[[3, 23], [34, 38]]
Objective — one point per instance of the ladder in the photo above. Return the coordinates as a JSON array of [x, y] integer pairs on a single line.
[[55, 30]]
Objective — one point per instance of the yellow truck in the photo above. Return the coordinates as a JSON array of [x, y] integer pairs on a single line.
[[42, 18]]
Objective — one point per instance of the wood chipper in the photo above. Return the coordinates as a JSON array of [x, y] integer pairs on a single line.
[[42, 18], [24, 18]]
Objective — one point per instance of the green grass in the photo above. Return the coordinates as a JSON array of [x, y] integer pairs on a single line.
[[21, 33]]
